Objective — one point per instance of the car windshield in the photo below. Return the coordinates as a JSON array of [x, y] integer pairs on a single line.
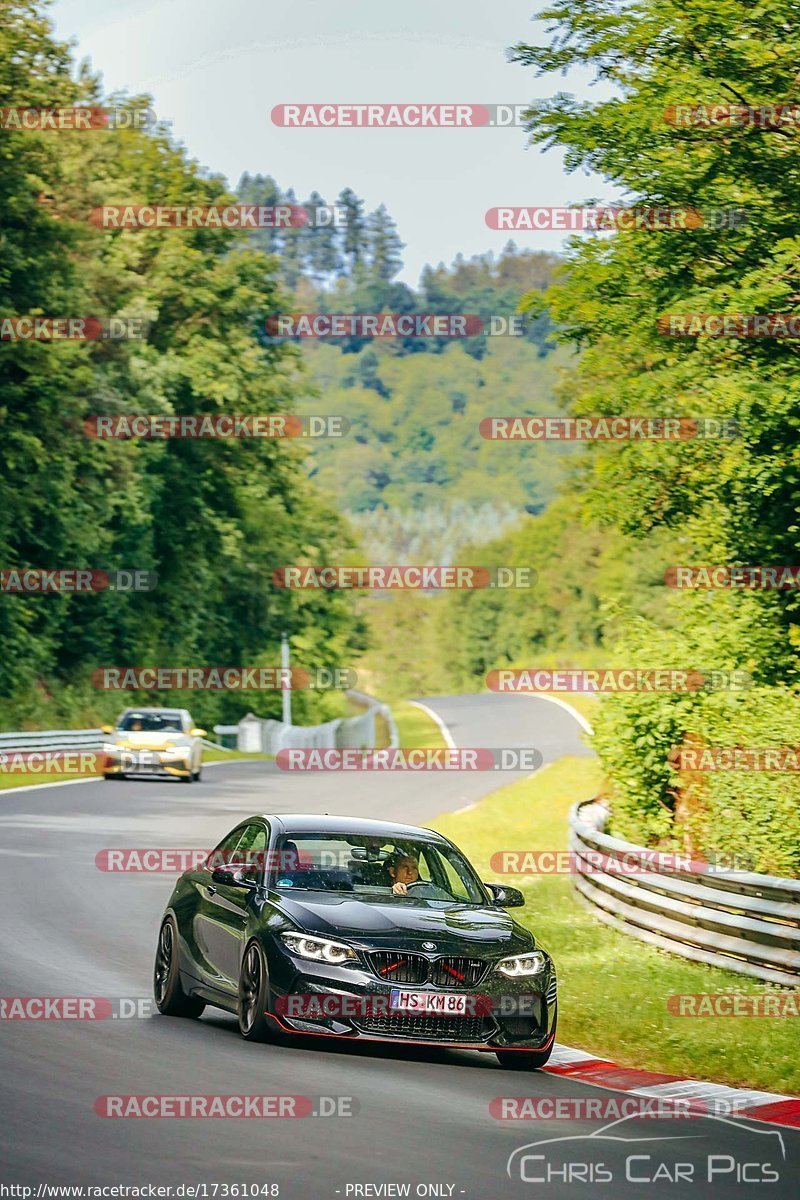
[[400, 870], [134, 722]]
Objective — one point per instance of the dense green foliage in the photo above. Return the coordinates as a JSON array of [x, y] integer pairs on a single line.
[[728, 502], [211, 517], [415, 440]]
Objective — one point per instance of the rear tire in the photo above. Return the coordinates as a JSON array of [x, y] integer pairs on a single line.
[[171, 1000], [253, 1025]]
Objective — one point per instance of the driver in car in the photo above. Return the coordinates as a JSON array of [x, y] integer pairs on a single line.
[[403, 871]]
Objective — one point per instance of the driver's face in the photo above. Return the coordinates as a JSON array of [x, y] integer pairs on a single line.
[[406, 871]]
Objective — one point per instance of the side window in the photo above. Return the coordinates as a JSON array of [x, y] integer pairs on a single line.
[[222, 855], [250, 851]]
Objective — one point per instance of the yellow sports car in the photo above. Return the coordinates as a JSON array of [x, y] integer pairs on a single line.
[[154, 741]]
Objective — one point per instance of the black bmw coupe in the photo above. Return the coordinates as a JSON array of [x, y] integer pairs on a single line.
[[342, 927]]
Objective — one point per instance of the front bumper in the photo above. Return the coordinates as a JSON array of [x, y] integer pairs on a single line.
[[351, 1002], [152, 762]]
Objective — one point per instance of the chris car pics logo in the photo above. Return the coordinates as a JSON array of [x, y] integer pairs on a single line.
[[614, 1154]]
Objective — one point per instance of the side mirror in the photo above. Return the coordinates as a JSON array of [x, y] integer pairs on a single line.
[[198, 733], [107, 728], [505, 896], [231, 878]]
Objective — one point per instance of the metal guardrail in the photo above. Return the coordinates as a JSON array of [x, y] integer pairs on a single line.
[[739, 920], [53, 739], [66, 739], [270, 736]]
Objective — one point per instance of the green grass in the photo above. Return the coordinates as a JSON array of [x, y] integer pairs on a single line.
[[614, 988], [210, 756], [585, 703], [25, 778], [415, 727]]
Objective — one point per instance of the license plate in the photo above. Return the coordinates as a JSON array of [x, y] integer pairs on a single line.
[[428, 1002], [140, 760]]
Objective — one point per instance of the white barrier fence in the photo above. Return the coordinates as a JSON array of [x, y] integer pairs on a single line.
[[257, 734]]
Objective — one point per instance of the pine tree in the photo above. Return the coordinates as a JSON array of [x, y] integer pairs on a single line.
[[323, 258], [384, 245], [354, 242]]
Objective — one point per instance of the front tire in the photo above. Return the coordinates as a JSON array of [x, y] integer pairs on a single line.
[[528, 1060], [253, 1025], [171, 1000], [523, 1060]]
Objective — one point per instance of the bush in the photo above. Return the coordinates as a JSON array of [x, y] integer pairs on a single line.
[[743, 813]]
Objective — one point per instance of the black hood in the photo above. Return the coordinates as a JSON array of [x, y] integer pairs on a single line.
[[456, 928]]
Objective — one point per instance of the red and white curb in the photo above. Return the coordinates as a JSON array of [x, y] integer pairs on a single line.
[[745, 1103]]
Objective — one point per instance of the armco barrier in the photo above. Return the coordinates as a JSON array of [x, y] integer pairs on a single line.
[[53, 739], [252, 733], [738, 920], [65, 739]]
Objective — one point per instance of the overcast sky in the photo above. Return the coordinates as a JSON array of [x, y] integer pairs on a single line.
[[216, 70]]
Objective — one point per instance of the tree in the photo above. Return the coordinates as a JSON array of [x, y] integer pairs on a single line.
[[355, 240], [384, 245], [322, 254], [213, 518], [728, 500]]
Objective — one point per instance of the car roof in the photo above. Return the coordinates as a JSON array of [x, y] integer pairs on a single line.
[[363, 826]]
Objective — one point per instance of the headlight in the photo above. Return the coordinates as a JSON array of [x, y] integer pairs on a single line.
[[522, 964], [317, 948]]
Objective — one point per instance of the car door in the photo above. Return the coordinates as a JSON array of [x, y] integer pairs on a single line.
[[206, 934], [227, 908]]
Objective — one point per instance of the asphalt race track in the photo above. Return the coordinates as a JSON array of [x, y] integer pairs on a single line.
[[69, 929]]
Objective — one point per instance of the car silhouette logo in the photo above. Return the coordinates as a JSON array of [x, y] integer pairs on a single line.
[[429, 945]]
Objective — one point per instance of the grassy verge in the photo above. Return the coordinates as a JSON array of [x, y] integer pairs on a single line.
[[210, 756], [415, 727], [613, 988], [585, 703]]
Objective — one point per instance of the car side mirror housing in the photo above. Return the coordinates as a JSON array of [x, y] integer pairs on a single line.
[[107, 728], [231, 878], [505, 896], [198, 733]]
